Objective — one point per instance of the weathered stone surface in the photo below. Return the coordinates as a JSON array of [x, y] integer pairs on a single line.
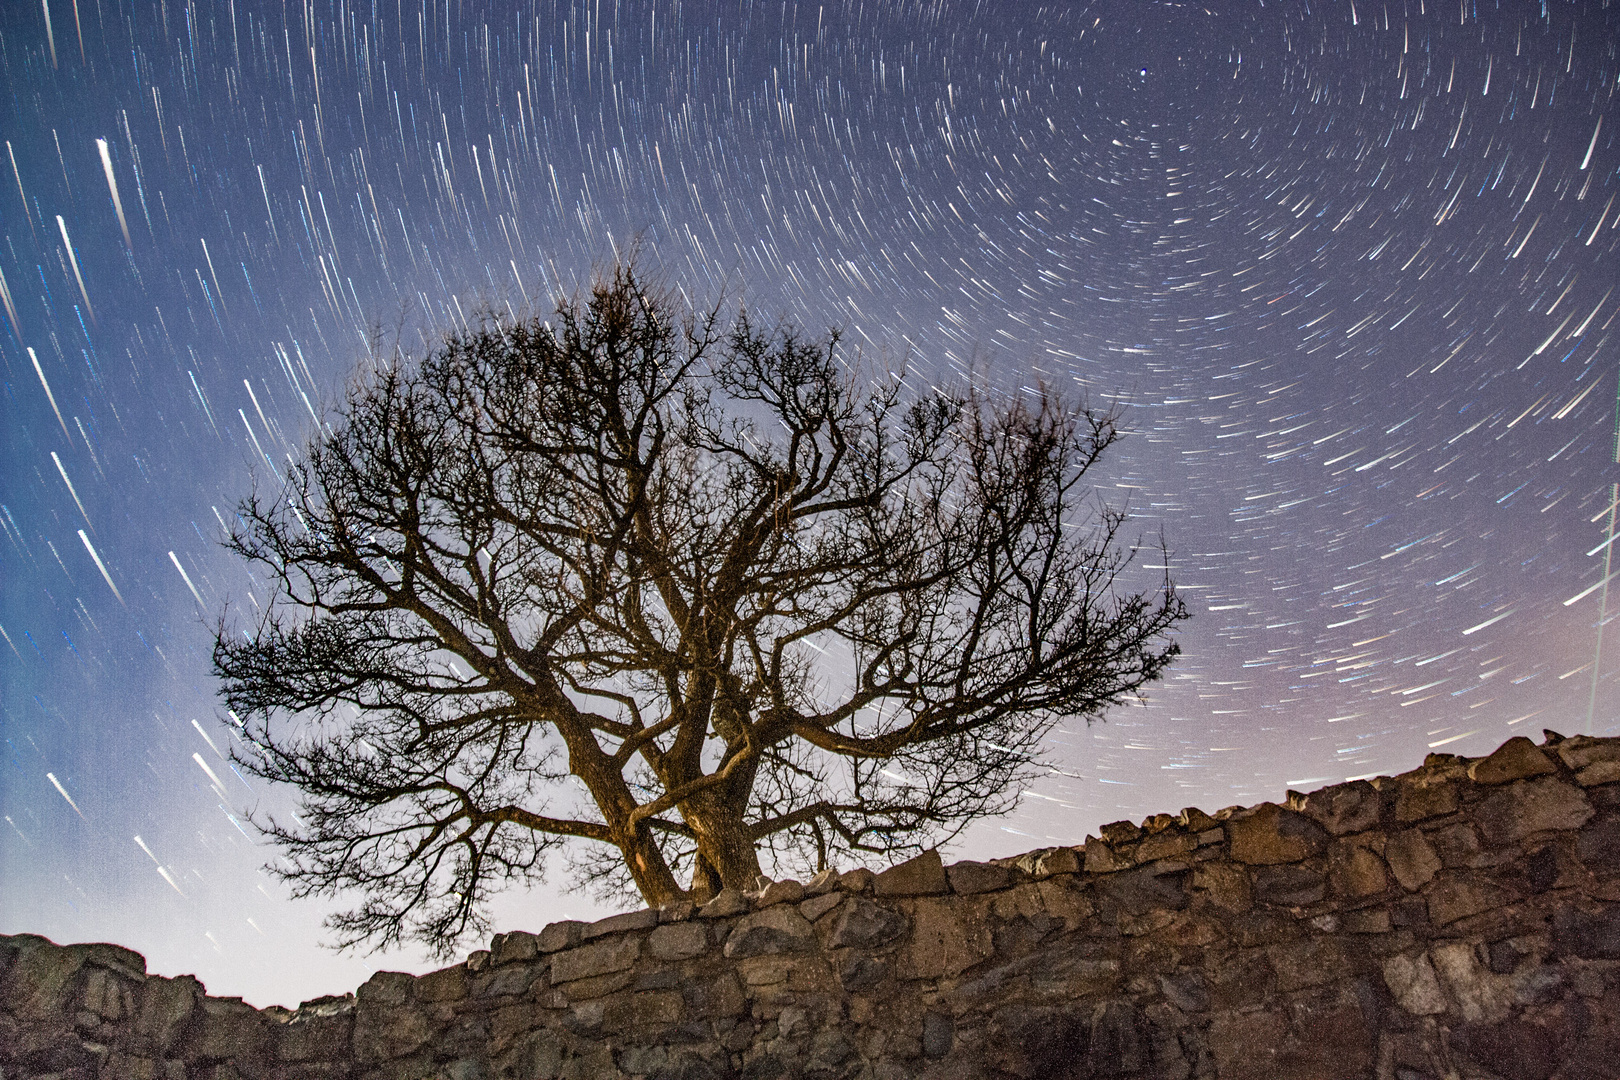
[[1412, 859], [1261, 947], [645, 919], [1345, 808], [1516, 759], [817, 906], [1457, 895], [1531, 806], [559, 935], [727, 902], [1413, 982], [967, 878], [678, 941], [1594, 761], [1272, 835], [597, 958], [780, 892], [946, 939], [1425, 797], [861, 924], [777, 929], [922, 876], [1355, 870]]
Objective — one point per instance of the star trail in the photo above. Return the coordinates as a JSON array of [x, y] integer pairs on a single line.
[[1347, 268]]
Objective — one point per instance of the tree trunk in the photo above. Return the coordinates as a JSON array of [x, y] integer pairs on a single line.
[[651, 873], [725, 851]]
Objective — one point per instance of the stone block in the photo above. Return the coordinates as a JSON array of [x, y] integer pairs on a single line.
[[645, 919], [1245, 1045], [861, 924], [1424, 797], [1412, 859], [1314, 961], [946, 939], [1165, 845], [779, 892], [643, 1013], [517, 946], [922, 876], [1458, 894], [1103, 859], [1594, 761], [969, 878], [678, 941], [1063, 860], [1598, 847], [771, 931], [858, 880], [559, 935], [1413, 982], [1345, 808], [1288, 885], [1060, 899], [1479, 995], [726, 903], [1121, 832], [817, 906], [1589, 934], [444, 985], [597, 958], [166, 1007], [1355, 870], [715, 997], [1531, 806], [1272, 835], [227, 1028], [1516, 759], [1513, 1048], [1227, 885], [676, 911]]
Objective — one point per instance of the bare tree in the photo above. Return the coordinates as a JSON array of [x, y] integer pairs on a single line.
[[744, 597]]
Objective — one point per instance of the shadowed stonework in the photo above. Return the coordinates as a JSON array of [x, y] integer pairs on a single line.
[[1460, 920]]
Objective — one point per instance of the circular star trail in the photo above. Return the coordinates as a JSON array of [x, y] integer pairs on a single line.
[[1348, 270]]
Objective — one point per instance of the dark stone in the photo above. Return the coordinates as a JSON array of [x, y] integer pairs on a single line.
[[1187, 991], [1288, 885], [1119, 1041], [1513, 1049], [862, 972], [1146, 889], [1042, 1041], [1503, 957], [938, 1033], [1541, 869], [1411, 912], [1590, 935], [1598, 847], [862, 924]]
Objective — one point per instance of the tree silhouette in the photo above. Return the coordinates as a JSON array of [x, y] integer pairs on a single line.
[[683, 589]]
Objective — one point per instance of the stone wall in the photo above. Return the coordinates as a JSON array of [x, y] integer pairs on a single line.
[[1459, 921]]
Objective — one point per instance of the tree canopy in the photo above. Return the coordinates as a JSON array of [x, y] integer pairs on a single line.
[[674, 589]]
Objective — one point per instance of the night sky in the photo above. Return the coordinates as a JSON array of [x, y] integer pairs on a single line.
[[1350, 270]]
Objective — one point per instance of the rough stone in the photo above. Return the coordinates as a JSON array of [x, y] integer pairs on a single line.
[[768, 932], [559, 935], [1498, 957], [597, 958], [922, 876], [1424, 798], [1594, 761], [861, 924], [1272, 835], [678, 941], [779, 892], [1516, 759], [1531, 806], [946, 939], [1412, 859], [968, 878], [1413, 982], [726, 902], [645, 919], [1345, 808]]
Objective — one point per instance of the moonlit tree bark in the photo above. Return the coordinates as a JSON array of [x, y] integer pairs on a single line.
[[678, 590]]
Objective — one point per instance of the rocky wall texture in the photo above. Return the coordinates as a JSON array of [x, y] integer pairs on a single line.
[[1459, 921]]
